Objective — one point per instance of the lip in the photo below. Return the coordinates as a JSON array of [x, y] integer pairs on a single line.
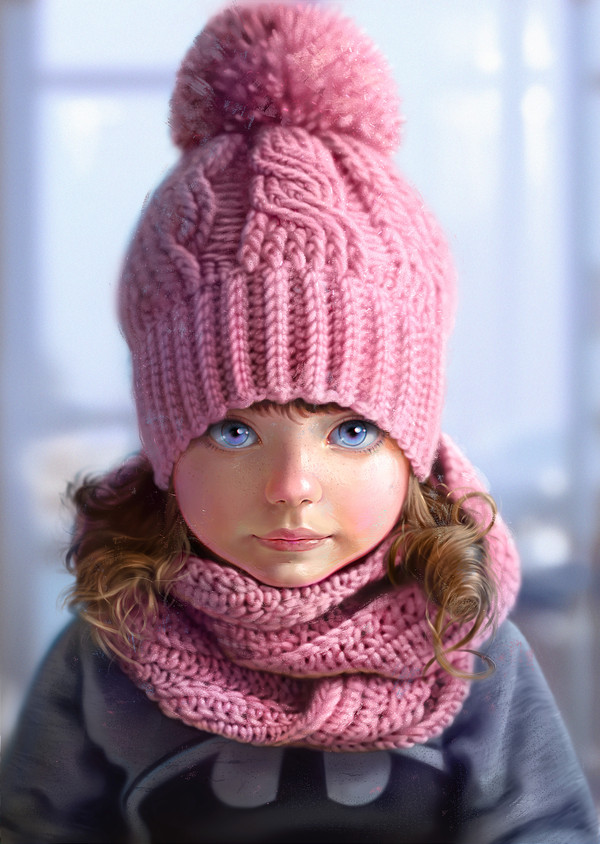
[[292, 535], [283, 539]]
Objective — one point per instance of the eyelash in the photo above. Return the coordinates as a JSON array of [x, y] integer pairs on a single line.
[[371, 429], [207, 441], [210, 443], [371, 448]]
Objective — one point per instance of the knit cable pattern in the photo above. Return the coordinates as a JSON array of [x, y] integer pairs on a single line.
[[284, 256]]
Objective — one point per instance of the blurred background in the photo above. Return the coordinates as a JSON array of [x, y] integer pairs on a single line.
[[502, 99]]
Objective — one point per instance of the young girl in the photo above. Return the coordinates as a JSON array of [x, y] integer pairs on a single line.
[[292, 603]]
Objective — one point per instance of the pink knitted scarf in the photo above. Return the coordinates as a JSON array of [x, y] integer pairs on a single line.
[[317, 666]]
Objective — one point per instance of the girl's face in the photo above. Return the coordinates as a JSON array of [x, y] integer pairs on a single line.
[[291, 498]]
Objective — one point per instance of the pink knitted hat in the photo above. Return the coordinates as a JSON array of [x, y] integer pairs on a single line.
[[284, 256]]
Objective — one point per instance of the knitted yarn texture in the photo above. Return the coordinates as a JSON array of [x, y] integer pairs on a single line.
[[284, 256], [314, 666]]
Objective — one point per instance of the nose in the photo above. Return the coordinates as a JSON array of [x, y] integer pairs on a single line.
[[292, 479]]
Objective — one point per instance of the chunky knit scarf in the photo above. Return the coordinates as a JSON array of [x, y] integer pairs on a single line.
[[336, 665]]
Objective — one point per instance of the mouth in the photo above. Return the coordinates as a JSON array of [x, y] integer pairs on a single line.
[[301, 539]]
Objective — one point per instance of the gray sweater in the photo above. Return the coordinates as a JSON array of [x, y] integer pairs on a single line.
[[94, 760]]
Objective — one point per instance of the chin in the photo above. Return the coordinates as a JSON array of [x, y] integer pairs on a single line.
[[290, 579]]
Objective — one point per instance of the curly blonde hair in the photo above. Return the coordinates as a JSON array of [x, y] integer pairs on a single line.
[[131, 543], [442, 546]]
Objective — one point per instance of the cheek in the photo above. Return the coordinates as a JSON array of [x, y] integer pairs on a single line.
[[191, 494], [212, 498], [382, 493]]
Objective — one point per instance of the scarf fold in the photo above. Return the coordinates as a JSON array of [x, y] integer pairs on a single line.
[[336, 665]]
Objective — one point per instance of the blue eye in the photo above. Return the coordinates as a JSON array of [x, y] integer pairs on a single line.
[[232, 434], [355, 433]]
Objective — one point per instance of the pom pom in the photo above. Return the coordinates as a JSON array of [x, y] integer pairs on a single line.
[[300, 65]]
